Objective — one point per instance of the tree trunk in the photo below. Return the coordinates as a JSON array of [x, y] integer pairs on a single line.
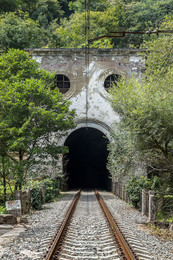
[[4, 180], [21, 172]]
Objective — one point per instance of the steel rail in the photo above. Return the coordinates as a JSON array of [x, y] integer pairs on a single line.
[[116, 231], [58, 236]]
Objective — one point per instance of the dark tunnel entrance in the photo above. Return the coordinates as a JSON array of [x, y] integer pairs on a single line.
[[85, 164]]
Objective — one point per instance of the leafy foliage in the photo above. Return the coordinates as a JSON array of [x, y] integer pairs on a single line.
[[30, 113], [134, 188], [79, 5], [19, 31], [51, 188], [71, 33], [46, 12], [145, 15], [140, 16], [36, 194], [3, 210], [56, 23], [124, 159], [146, 130], [29, 5], [16, 65], [36, 198], [9, 5]]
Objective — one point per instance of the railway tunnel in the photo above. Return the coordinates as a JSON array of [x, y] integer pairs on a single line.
[[85, 164]]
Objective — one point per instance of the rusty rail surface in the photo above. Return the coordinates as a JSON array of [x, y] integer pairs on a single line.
[[116, 231], [57, 239]]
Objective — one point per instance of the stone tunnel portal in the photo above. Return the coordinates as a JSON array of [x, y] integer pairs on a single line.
[[85, 164]]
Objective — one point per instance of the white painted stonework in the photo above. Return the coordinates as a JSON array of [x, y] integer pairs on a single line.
[[87, 93]]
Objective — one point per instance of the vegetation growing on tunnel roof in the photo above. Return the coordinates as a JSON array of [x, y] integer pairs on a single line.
[[53, 23]]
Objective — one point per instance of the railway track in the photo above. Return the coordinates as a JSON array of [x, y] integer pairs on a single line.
[[89, 232]]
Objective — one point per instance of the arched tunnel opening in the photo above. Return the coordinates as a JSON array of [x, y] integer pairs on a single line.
[[85, 164]]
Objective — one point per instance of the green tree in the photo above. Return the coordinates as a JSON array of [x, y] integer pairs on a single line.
[[9, 5], [19, 31], [79, 5], [29, 5], [124, 158], [146, 110], [60, 21], [32, 117], [65, 7], [71, 33], [46, 12], [141, 16], [134, 188]]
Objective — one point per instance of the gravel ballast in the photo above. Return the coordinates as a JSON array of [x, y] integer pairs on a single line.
[[41, 227], [32, 243], [134, 221]]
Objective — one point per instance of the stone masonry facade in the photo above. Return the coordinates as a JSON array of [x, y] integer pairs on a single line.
[[87, 71]]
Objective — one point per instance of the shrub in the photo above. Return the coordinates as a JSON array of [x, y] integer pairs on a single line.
[[36, 198], [36, 194], [167, 206], [51, 189], [134, 188], [36, 191], [3, 210]]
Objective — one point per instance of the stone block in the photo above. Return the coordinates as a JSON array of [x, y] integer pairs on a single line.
[[8, 219]]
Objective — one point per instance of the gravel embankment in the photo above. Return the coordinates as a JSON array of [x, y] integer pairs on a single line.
[[32, 243], [133, 220]]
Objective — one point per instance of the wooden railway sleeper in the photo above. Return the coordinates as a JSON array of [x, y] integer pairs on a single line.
[[56, 241], [127, 251]]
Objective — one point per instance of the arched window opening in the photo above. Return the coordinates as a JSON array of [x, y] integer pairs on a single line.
[[62, 82], [111, 79]]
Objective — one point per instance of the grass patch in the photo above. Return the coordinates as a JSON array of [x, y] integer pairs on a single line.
[[161, 231], [59, 196]]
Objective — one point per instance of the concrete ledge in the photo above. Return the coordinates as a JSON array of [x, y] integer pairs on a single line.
[[11, 235], [71, 51], [5, 228]]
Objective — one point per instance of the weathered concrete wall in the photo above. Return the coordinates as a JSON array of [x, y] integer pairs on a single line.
[[87, 73], [87, 83]]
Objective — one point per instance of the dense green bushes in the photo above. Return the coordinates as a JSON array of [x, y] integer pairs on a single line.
[[164, 207], [134, 188], [137, 183], [36, 198], [163, 195], [51, 191], [53, 23], [36, 187]]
